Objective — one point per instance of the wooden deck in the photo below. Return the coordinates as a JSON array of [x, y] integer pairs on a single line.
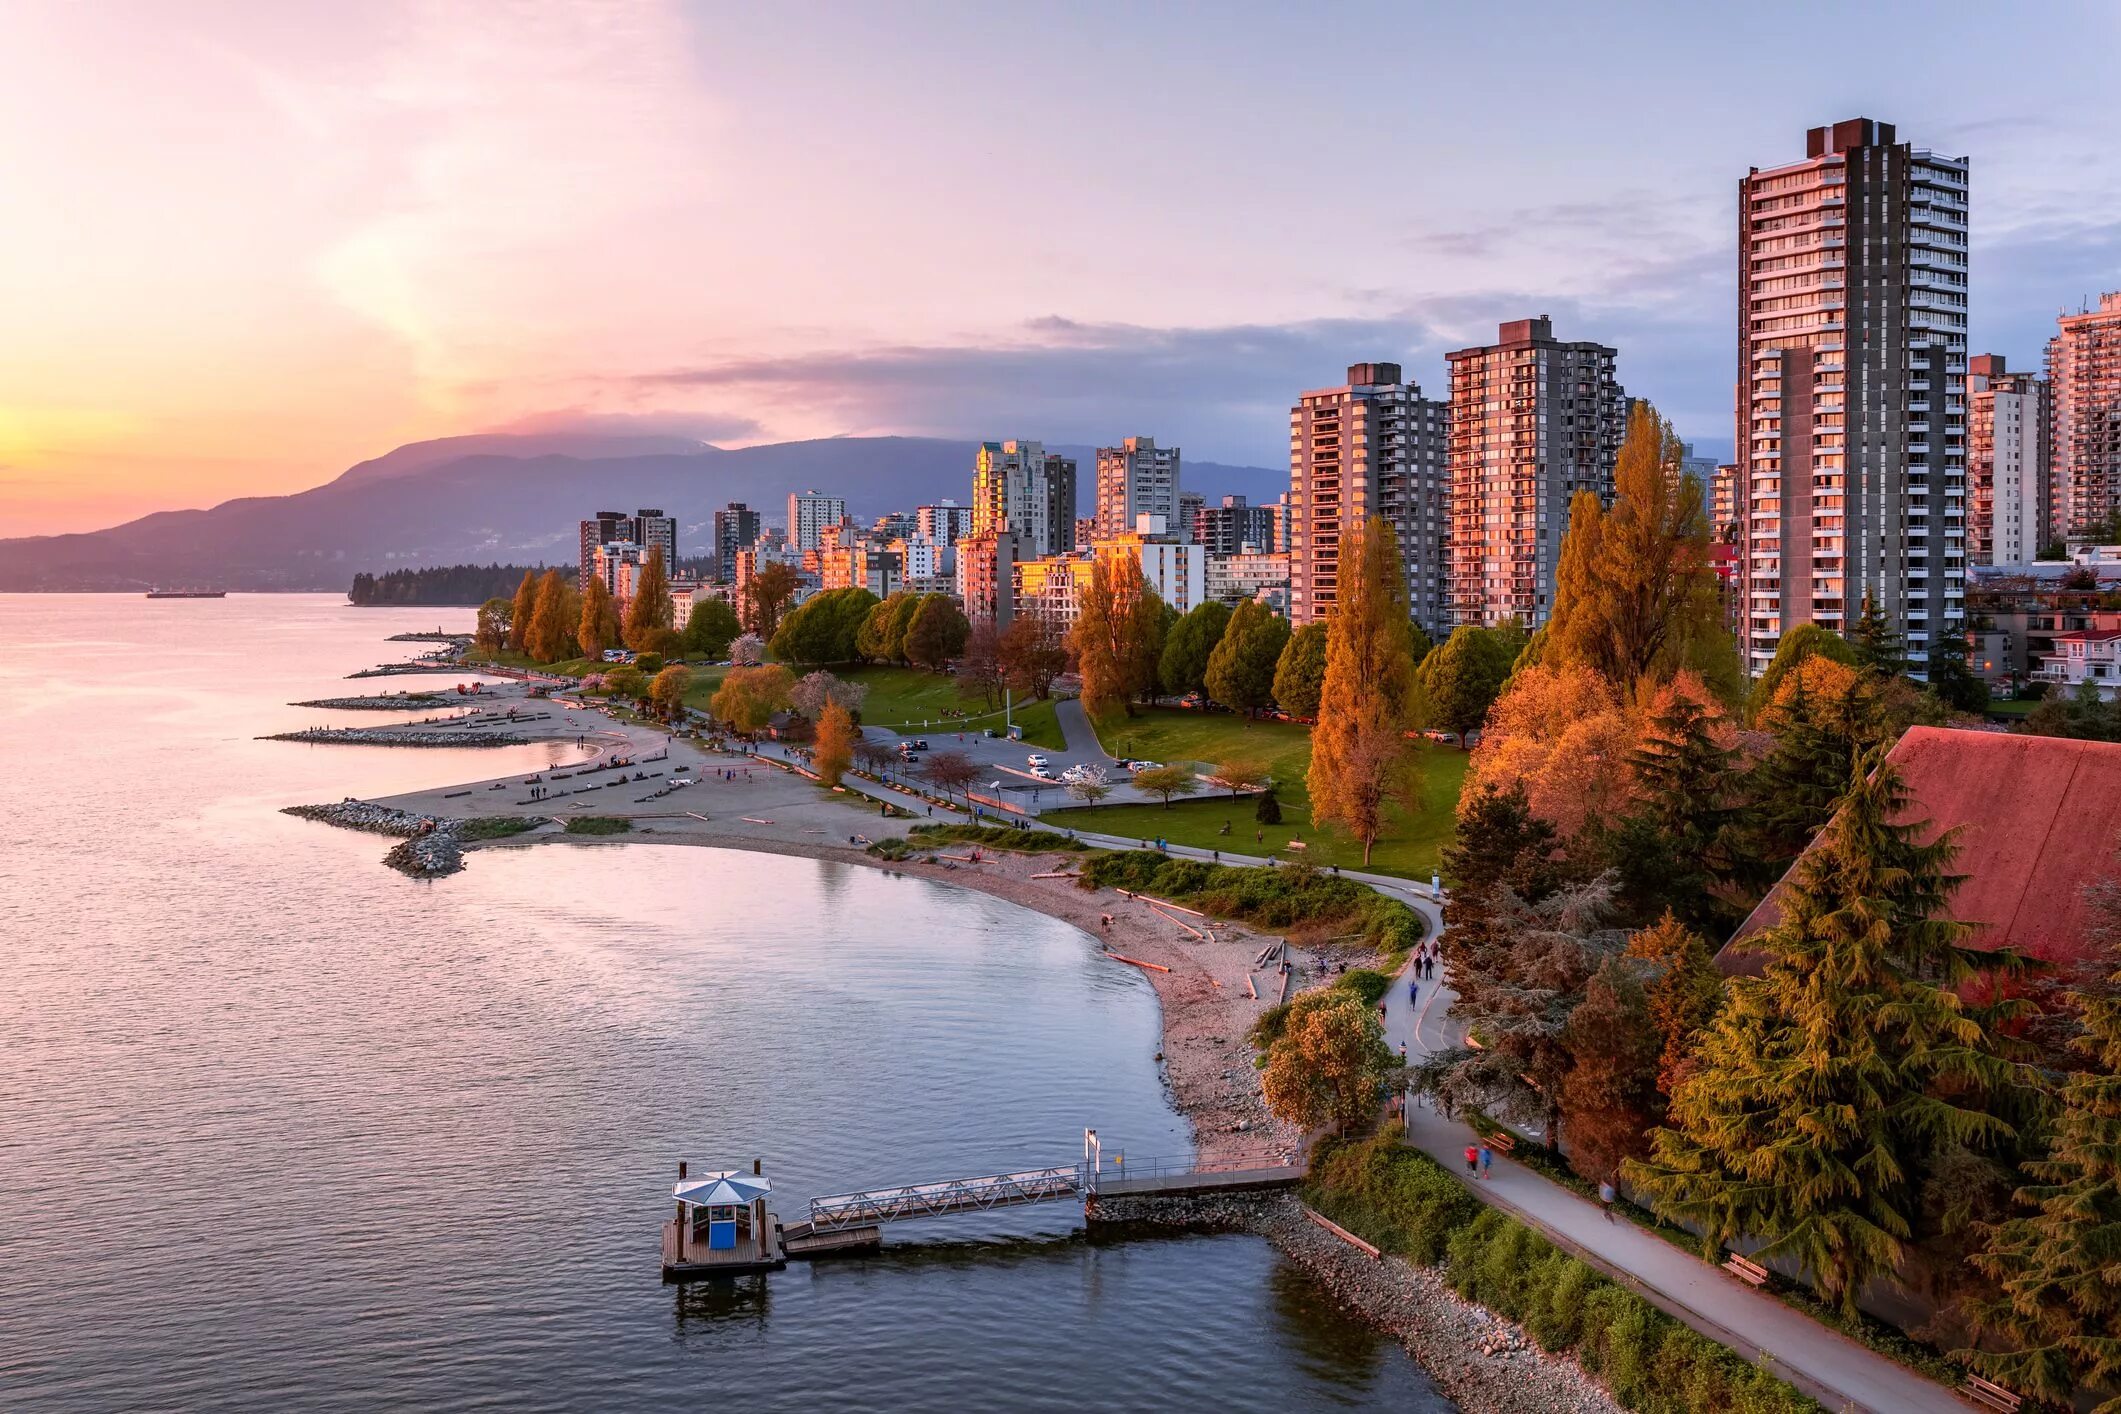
[[803, 1244], [689, 1261]]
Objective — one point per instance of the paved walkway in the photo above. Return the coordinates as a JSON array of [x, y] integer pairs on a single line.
[[1829, 1367]]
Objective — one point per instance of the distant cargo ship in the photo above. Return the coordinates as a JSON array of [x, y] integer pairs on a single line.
[[187, 593]]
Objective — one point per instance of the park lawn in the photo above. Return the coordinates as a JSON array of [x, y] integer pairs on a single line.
[[911, 699], [1413, 841], [2011, 706]]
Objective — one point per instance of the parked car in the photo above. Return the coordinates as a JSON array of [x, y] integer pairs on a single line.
[[1078, 773], [1138, 766], [921, 745], [1036, 761], [1043, 774]]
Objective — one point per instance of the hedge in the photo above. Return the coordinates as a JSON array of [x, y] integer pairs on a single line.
[[1406, 1203], [923, 838], [1275, 899]]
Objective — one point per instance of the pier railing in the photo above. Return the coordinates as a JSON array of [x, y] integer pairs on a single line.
[[956, 1195]]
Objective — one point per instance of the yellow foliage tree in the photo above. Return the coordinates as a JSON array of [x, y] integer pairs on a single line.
[[1359, 758], [748, 697], [1118, 635], [1564, 734], [598, 627], [524, 609], [834, 750], [649, 612], [1635, 594], [1327, 1064], [552, 622]]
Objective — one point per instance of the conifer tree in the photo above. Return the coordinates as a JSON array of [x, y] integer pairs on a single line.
[[1880, 650], [1609, 1096], [649, 611], [1367, 700], [1671, 848], [1683, 991], [524, 609], [2060, 1264], [1825, 1081]]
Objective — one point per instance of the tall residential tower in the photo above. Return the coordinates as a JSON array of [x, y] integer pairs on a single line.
[[2084, 380], [1373, 447], [1852, 388], [1534, 420], [1022, 488], [1136, 478], [2006, 463]]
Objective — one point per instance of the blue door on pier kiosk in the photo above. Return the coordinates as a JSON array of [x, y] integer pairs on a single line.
[[721, 1229]]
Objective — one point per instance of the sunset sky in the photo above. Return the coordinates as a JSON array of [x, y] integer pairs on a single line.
[[243, 245]]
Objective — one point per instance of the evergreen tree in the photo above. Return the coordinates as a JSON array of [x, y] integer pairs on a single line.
[[1952, 678], [1791, 792], [1184, 666], [649, 611], [1301, 673], [1240, 672], [2060, 1264], [1609, 1098], [598, 627], [1825, 1081], [2083, 715], [1880, 650], [1683, 991], [1671, 848], [1268, 811], [524, 609], [1367, 701]]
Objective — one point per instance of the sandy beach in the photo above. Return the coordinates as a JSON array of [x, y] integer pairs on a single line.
[[735, 801]]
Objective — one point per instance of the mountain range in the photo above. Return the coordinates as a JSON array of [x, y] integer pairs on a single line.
[[515, 498]]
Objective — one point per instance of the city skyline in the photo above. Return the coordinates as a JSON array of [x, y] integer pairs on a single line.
[[396, 223]]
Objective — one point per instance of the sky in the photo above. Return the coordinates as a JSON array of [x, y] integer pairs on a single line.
[[244, 244]]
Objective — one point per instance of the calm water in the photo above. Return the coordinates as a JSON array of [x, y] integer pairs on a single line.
[[282, 1129]]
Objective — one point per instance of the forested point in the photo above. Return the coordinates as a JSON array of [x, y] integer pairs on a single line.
[[470, 585]]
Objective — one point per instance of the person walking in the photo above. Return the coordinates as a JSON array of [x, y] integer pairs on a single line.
[[1473, 1159], [1606, 1195], [1487, 1160]]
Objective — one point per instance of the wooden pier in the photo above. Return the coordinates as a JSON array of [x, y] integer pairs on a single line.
[[687, 1257]]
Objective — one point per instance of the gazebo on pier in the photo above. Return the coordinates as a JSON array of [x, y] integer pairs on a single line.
[[721, 1227]]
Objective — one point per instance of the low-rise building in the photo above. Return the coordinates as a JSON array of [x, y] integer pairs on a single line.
[[2084, 655], [1233, 579]]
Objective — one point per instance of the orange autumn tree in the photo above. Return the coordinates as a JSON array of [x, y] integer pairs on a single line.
[[1564, 735], [1359, 756], [834, 750]]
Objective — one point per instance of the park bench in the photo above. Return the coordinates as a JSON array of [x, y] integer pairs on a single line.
[[1501, 1141], [1990, 1394], [1746, 1270]]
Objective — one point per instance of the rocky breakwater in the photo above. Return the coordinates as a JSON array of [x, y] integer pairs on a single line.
[[382, 702], [401, 736], [429, 846], [424, 665], [1486, 1364]]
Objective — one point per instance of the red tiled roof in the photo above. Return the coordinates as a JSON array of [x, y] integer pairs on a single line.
[[2088, 635], [2040, 818]]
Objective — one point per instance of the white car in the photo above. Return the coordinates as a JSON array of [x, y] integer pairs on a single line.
[[1139, 766], [1081, 773], [1036, 761], [1041, 773]]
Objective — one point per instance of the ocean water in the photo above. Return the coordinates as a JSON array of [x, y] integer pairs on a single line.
[[282, 1129]]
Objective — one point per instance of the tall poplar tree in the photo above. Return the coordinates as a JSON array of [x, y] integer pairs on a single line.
[[598, 628], [1634, 592], [525, 607], [2060, 1264], [649, 612], [1367, 702], [1827, 1080], [551, 621]]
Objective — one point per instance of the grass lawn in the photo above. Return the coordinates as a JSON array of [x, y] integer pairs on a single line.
[[1412, 843], [909, 698], [2011, 706]]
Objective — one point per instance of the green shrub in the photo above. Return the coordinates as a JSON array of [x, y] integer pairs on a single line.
[[996, 837], [1407, 1203], [598, 825], [495, 827], [1274, 900], [1367, 983]]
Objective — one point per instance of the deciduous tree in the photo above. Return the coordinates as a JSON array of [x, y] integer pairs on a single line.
[[1184, 666], [1367, 702], [1301, 673], [823, 629], [597, 627], [1329, 1062], [551, 636], [667, 692], [649, 610], [748, 697], [1166, 782], [937, 632], [493, 629], [979, 667], [710, 629], [522, 612], [1241, 774], [1240, 672], [1683, 989], [766, 596], [1563, 734], [1089, 784], [833, 752], [951, 772], [1609, 1097], [874, 641], [1461, 680], [1798, 644], [1033, 653], [1118, 636]]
